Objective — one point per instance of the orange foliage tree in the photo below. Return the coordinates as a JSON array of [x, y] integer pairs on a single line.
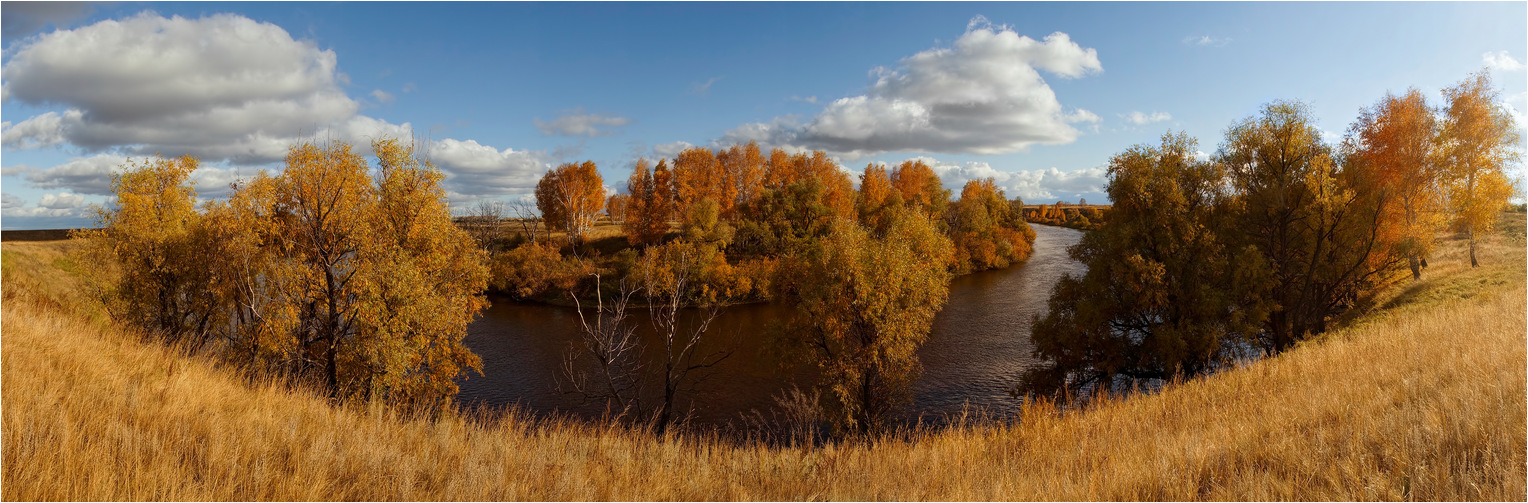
[[876, 198], [985, 230], [698, 176], [920, 187], [1392, 145], [646, 215], [570, 197], [743, 168], [616, 207]]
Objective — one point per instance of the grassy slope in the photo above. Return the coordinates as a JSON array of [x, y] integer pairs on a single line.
[[1424, 400]]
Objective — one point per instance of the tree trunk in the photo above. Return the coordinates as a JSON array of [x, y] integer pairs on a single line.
[[1416, 270], [1473, 262]]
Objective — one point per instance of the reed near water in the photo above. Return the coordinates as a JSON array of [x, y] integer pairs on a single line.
[[1422, 398]]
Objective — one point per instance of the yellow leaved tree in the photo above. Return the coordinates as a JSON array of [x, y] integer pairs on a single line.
[[1479, 140]]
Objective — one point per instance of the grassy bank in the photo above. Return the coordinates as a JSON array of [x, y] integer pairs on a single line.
[[1424, 398]]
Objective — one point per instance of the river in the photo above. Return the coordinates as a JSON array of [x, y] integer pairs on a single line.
[[979, 345]]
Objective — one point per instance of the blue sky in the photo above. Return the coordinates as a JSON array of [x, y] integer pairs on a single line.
[[1038, 96]]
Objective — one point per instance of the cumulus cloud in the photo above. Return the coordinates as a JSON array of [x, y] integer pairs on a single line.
[[36, 132], [52, 210], [61, 201], [222, 86], [671, 150], [1501, 61], [808, 99], [84, 175], [1206, 40], [474, 169], [1141, 119], [578, 123], [1031, 186], [983, 95]]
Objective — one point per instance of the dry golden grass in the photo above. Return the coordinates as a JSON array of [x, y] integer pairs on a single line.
[[1425, 402]]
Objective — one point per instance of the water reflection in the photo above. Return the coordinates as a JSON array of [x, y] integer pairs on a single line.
[[980, 343]]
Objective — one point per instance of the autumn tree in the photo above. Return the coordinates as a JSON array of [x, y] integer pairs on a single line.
[[420, 285], [703, 224], [920, 187], [698, 176], [986, 232], [877, 198], [646, 215], [862, 306], [1479, 140], [786, 220], [665, 194], [158, 240], [1312, 216], [616, 206], [571, 197], [533, 270], [1392, 143], [1165, 293], [743, 169]]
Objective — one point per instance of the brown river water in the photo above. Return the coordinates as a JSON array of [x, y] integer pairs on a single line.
[[979, 345]]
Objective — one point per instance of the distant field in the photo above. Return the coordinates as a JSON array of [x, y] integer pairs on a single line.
[[35, 235]]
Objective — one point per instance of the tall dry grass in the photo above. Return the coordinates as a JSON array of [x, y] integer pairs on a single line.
[[1425, 400]]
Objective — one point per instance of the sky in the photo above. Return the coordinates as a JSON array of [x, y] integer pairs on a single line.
[[1037, 96]]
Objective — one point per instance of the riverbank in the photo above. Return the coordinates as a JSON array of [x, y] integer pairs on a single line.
[[1421, 399]]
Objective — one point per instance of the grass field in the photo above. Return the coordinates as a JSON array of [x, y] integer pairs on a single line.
[[1423, 398]]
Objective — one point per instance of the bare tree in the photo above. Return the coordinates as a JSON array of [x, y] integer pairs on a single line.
[[612, 345], [484, 222], [530, 220], [669, 281]]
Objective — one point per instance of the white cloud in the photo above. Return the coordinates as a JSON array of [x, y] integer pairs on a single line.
[[1502, 61], [1035, 186], [1141, 119], [1206, 40], [577, 123], [84, 175], [61, 201], [219, 86], [1081, 115], [808, 99], [671, 150], [222, 88], [36, 132], [410, 87], [983, 95], [474, 169]]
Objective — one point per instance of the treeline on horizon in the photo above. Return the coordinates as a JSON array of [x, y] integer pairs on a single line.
[[357, 278], [1265, 244]]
